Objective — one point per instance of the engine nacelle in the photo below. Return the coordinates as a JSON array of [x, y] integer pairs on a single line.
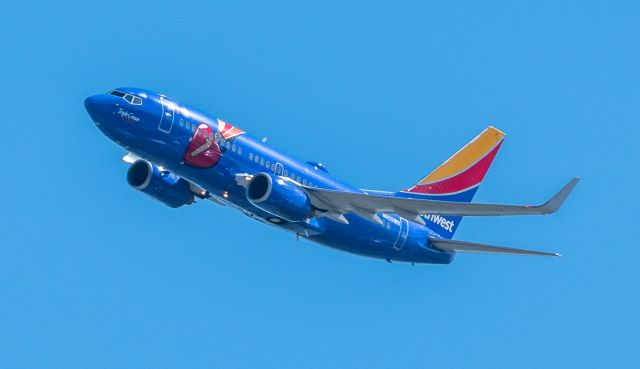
[[279, 197], [162, 185]]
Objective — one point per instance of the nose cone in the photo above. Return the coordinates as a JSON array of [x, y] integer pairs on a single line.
[[98, 107]]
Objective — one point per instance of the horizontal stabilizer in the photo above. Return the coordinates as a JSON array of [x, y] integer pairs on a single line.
[[462, 246]]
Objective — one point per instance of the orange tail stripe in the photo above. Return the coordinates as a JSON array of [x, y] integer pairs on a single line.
[[471, 153]]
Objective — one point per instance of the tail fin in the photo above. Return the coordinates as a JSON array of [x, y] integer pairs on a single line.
[[458, 178]]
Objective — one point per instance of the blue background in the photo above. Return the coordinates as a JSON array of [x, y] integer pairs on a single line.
[[96, 275]]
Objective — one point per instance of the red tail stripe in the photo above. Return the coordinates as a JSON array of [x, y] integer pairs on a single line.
[[471, 177]]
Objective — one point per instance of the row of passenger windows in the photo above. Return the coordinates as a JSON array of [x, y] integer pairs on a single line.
[[189, 125], [279, 171]]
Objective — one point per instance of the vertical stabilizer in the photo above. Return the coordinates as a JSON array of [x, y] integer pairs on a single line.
[[458, 178]]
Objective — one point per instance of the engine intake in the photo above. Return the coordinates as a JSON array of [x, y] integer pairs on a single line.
[[162, 185], [279, 197]]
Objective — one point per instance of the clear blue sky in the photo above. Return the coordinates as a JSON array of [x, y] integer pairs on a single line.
[[96, 275]]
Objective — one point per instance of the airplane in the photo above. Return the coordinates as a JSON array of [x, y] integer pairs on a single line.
[[178, 154]]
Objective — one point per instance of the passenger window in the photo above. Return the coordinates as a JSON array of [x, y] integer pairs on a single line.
[[239, 150], [304, 182], [181, 122], [268, 164], [257, 159], [298, 179], [210, 136], [193, 127], [250, 156], [233, 147], [273, 167], [228, 145], [286, 173], [188, 125], [262, 162], [293, 176]]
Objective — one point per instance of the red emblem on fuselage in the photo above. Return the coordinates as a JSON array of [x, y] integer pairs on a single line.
[[203, 151], [227, 131]]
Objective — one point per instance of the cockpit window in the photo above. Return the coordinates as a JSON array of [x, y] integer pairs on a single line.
[[133, 100], [117, 93]]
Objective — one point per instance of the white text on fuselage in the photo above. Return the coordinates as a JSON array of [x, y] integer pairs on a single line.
[[391, 219], [129, 117], [441, 221]]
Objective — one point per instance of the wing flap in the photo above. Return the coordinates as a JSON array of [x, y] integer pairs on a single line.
[[480, 248]]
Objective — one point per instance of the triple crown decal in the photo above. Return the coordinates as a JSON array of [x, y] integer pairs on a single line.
[[204, 150]]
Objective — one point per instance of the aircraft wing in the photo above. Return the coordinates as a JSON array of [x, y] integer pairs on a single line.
[[334, 204]]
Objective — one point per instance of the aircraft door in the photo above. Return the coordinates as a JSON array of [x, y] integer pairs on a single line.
[[279, 169], [403, 233], [168, 114]]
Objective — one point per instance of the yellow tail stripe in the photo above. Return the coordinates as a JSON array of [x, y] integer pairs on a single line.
[[466, 156]]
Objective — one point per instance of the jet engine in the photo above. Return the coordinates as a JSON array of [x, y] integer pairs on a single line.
[[162, 185], [279, 197]]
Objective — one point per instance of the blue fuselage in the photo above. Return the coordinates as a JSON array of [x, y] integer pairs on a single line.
[[160, 130]]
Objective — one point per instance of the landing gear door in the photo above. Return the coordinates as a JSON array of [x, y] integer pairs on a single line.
[[168, 114]]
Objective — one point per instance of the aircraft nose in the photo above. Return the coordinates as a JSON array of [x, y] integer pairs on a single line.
[[97, 106]]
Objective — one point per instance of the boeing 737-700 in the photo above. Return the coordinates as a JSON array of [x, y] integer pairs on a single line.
[[178, 153]]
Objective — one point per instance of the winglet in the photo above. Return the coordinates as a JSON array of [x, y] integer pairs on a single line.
[[557, 200]]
